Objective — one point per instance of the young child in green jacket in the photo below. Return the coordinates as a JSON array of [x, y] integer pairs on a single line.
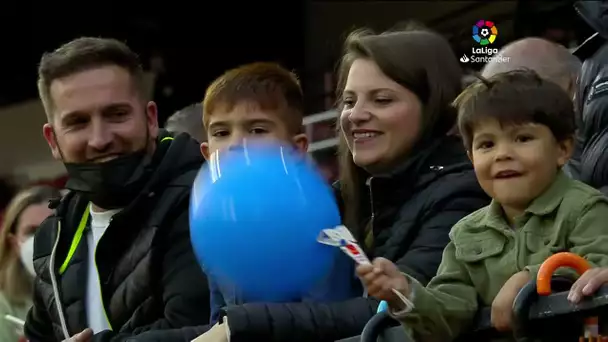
[[518, 131]]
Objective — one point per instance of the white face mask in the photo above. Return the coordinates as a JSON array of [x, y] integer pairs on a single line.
[[26, 253]]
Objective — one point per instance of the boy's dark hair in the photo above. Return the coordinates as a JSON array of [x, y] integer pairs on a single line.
[[82, 54], [268, 85], [515, 97]]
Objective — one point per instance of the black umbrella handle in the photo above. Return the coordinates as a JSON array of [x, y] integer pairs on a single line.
[[378, 329]]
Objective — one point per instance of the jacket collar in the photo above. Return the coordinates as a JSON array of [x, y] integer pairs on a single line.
[[441, 157], [544, 204]]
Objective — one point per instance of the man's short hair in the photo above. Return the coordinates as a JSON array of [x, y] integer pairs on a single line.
[[515, 97], [188, 120], [549, 60], [83, 54], [267, 85]]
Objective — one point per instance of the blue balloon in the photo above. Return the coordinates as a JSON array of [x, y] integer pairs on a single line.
[[256, 211]]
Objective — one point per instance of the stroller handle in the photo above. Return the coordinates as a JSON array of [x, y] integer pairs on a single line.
[[551, 264]]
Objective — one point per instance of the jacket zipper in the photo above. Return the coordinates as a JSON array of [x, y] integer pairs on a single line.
[[371, 203], [368, 182], [64, 327]]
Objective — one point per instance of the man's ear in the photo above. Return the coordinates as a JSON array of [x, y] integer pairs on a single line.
[[152, 119], [300, 141], [49, 135], [205, 150]]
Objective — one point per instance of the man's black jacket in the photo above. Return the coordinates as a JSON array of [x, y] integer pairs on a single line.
[[590, 160], [149, 276]]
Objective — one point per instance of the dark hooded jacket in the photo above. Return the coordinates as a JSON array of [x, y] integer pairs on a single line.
[[590, 160], [149, 276]]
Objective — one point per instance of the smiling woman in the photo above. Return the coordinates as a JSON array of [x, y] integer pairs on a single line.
[[396, 115]]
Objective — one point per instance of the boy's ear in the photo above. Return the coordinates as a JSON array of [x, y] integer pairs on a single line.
[[205, 150], [301, 142], [566, 147]]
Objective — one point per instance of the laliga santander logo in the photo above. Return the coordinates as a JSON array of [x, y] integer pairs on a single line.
[[484, 32]]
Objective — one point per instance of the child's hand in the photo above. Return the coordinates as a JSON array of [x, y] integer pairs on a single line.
[[380, 278], [588, 283], [502, 306]]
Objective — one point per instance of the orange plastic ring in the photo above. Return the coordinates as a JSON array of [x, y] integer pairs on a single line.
[[563, 259]]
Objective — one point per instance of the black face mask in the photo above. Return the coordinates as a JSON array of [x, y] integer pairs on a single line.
[[112, 184]]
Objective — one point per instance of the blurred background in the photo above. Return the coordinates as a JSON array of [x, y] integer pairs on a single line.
[[184, 46]]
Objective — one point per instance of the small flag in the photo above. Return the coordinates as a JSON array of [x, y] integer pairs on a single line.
[[341, 237]]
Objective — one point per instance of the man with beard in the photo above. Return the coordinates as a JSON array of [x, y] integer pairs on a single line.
[[115, 259]]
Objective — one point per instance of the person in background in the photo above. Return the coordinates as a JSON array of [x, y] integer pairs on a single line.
[[24, 214], [188, 120], [7, 192], [115, 258], [518, 130], [549, 60], [590, 160]]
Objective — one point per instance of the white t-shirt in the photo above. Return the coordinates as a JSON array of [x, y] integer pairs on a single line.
[[96, 317]]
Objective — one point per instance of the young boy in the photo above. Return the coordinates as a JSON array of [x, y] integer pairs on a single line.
[[518, 130], [262, 101]]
